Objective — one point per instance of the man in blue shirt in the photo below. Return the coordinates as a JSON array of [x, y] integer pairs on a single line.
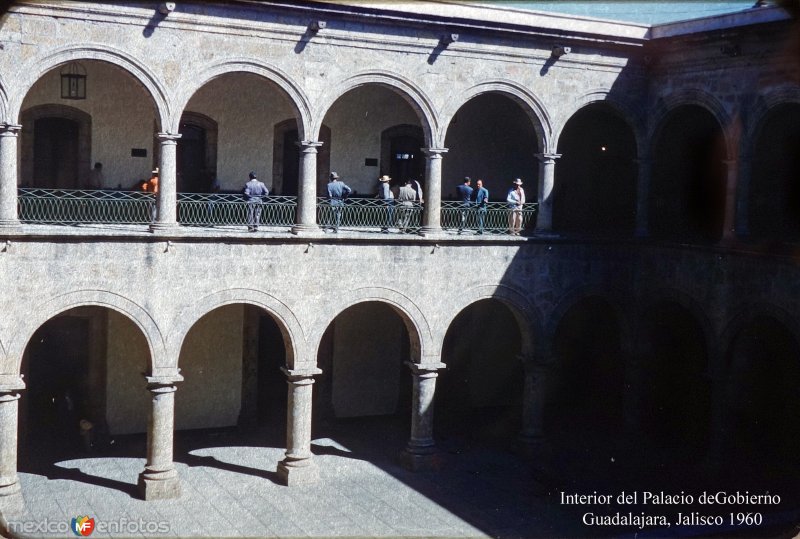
[[465, 195], [481, 199], [254, 193], [338, 191]]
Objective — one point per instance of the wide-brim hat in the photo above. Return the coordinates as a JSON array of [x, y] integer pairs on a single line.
[[517, 182], [154, 171], [384, 178], [334, 176]]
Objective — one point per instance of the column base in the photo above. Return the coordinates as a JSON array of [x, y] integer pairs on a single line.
[[432, 232], [420, 462], [298, 472], [159, 485], [545, 233], [307, 231], [165, 228], [9, 225]]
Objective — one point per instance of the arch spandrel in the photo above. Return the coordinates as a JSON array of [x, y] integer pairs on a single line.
[[43, 312], [85, 52], [415, 321], [293, 91], [670, 103], [526, 314], [405, 87], [293, 335], [603, 96], [527, 100]]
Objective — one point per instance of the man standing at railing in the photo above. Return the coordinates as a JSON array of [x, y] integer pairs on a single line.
[[385, 194], [254, 192], [338, 191], [151, 186], [481, 200], [515, 200], [465, 196], [406, 197]]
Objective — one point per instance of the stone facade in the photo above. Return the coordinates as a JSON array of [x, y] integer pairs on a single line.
[[176, 299]]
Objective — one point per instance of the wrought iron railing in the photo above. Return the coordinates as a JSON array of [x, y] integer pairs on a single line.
[[74, 207], [491, 219], [220, 209], [369, 214]]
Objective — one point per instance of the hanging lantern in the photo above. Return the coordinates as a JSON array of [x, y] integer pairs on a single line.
[[73, 81]]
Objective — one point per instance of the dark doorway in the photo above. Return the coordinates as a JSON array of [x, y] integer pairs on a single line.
[[57, 379], [689, 177], [55, 151], [291, 163], [191, 161], [272, 391], [775, 184], [479, 395], [595, 190], [406, 160]]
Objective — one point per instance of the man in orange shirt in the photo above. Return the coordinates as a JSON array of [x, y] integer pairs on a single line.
[[151, 186]]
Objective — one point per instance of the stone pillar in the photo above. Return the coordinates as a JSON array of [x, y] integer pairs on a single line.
[[298, 466], [729, 223], [742, 217], [8, 175], [418, 454], [432, 216], [307, 199], [547, 174], [643, 198], [159, 480], [167, 198], [9, 413]]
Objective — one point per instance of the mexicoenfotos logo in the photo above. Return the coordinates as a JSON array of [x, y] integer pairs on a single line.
[[82, 526]]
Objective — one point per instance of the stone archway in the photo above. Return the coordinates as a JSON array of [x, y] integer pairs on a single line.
[[286, 159]]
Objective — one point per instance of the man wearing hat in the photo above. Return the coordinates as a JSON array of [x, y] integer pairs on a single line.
[[254, 193], [515, 200], [385, 194], [338, 191]]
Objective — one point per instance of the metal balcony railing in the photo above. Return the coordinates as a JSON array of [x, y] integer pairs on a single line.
[[494, 218], [75, 207], [221, 209]]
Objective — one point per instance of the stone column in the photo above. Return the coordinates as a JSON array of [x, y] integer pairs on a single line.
[[418, 454], [432, 216], [307, 198], [729, 223], [8, 175], [547, 173], [298, 466], [643, 198], [159, 480], [742, 217], [9, 413], [166, 200]]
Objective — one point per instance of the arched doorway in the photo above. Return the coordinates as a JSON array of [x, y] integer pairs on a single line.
[[491, 137], [56, 146], [286, 159], [401, 157], [365, 385], [81, 369], [689, 177], [196, 153], [595, 189], [678, 413], [774, 198], [761, 398], [479, 395]]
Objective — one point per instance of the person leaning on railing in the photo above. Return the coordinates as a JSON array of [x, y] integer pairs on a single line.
[[481, 200], [385, 194], [151, 186], [406, 197], [254, 193]]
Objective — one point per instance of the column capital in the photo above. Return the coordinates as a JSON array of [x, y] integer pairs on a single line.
[[309, 145], [9, 130], [547, 157], [163, 379], [434, 153], [11, 383], [426, 369], [168, 138], [301, 376]]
